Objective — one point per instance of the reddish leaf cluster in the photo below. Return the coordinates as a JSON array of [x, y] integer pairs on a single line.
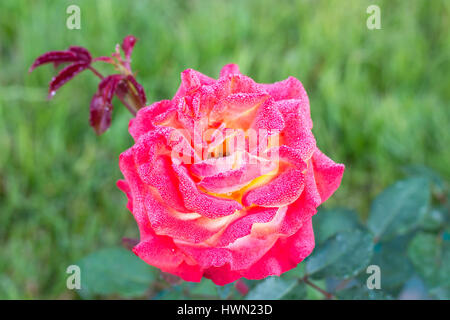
[[123, 84], [79, 57]]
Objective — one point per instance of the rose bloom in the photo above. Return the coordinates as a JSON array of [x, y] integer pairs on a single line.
[[223, 179]]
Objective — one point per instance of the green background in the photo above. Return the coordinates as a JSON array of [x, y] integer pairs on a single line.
[[379, 102]]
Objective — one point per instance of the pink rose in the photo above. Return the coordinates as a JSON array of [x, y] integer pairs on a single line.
[[223, 179]]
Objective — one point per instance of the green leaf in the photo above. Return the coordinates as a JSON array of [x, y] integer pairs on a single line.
[[435, 218], [400, 208], [313, 293], [225, 291], [205, 288], [295, 273], [329, 222], [172, 293], [299, 292], [428, 173], [343, 256], [430, 255], [394, 264], [271, 288], [114, 271], [362, 293], [441, 292]]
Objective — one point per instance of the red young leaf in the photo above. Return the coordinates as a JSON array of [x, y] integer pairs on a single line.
[[127, 45], [124, 85], [140, 90], [101, 107], [55, 57], [108, 85], [74, 54], [65, 75], [104, 59], [100, 114], [82, 54]]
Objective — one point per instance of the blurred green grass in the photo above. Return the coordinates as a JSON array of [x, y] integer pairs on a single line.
[[379, 101]]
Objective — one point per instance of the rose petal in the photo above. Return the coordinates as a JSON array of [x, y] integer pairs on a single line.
[[191, 80], [163, 254], [135, 188], [311, 192], [290, 88], [233, 180], [204, 204], [327, 174], [229, 69], [243, 226], [123, 185], [148, 117], [268, 117], [285, 255], [235, 83], [179, 226], [222, 275], [214, 166], [297, 130], [281, 191], [238, 110], [241, 254], [159, 174]]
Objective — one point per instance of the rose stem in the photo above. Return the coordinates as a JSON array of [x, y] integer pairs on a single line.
[[98, 74], [311, 284]]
